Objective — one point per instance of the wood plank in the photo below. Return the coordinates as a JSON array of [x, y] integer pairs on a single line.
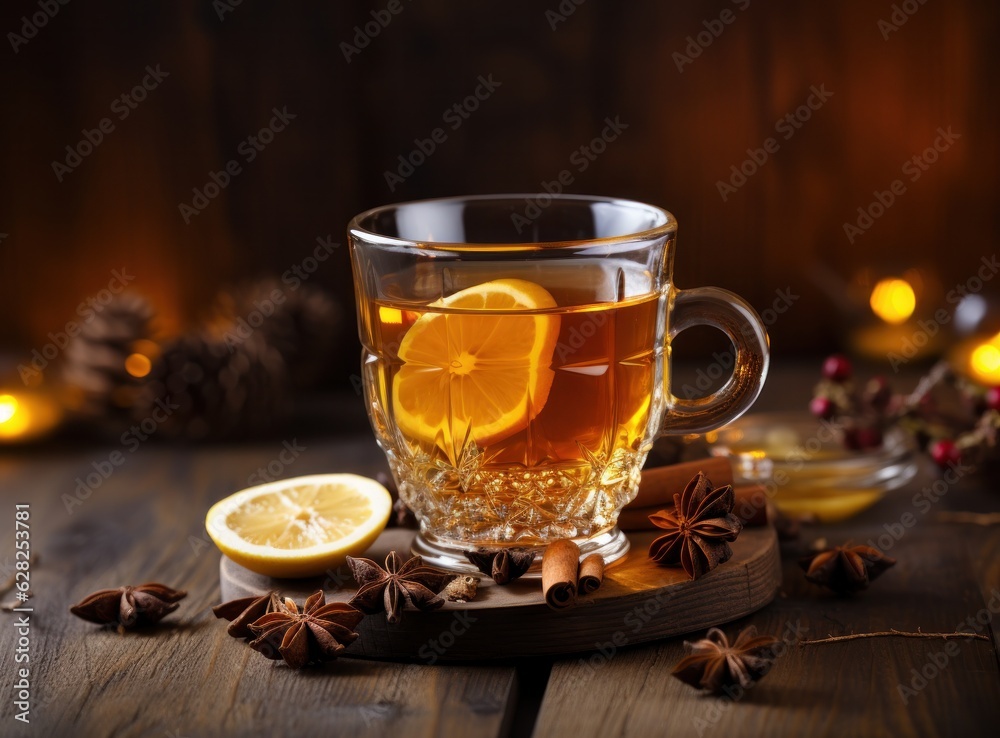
[[839, 689], [984, 553], [187, 677]]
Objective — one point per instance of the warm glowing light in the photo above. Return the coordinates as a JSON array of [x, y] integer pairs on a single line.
[[146, 348], [138, 365], [14, 417], [985, 361], [27, 415], [893, 300], [390, 315], [8, 407]]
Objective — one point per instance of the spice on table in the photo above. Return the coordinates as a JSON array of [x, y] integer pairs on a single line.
[[244, 611], [714, 665], [591, 574], [130, 606], [503, 564], [314, 634], [560, 571], [845, 569], [789, 527], [461, 589], [699, 528], [399, 583]]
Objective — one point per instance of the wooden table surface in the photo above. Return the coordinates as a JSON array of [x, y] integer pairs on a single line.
[[188, 678]]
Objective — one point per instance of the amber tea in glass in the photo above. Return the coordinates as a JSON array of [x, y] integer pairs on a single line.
[[516, 377]]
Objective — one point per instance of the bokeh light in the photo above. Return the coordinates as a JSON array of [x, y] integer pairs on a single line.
[[893, 300], [984, 362], [138, 365], [8, 407]]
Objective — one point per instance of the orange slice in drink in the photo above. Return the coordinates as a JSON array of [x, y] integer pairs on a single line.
[[480, 369]]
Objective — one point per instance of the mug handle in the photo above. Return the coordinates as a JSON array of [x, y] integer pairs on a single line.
[[733, 316]]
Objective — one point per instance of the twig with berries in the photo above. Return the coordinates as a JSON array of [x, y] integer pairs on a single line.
[[865, 415], [952, 419]]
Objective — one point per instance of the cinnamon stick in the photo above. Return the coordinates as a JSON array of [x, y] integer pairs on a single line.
[[560, 567], [750, 507], [661, 483], [591, 574], [752, 504]]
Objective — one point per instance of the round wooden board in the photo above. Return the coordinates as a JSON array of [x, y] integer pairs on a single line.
[[638, 602]]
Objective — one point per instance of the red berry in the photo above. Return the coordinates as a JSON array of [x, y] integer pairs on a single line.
[[822, 407], [877, 393], [852, 440], [945, 453], [993, 398], [837, 368], [869, 438]]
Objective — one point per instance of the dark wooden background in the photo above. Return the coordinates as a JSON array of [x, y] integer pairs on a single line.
[[784, 228]]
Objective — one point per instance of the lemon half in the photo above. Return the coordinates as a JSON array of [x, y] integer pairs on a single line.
[[300, 527]]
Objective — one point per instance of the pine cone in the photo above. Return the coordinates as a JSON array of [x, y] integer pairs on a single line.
[[301, 323], [205, 387], [94, 366]]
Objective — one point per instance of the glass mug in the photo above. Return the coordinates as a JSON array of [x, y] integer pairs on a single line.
[[516, 371]]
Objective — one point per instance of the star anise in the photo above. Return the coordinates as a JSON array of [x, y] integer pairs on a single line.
[[314, 634], [503, 564], [242, 612], [845, 569], [130, 606], [698, 528], [399, 583], [715, 665], [789, 527]]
